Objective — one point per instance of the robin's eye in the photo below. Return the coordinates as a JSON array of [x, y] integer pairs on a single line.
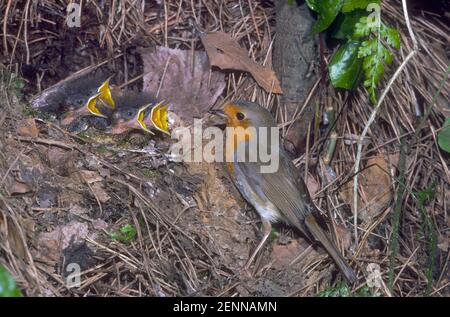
[[79, 102], [129, 114], [240, 116]]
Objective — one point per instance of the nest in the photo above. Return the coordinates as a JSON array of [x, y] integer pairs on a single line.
[[170, 257]]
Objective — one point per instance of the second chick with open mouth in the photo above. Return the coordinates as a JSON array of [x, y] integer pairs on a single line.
[[139, 111]]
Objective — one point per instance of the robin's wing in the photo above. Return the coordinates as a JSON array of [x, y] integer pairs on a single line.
[[281, 188], [300, 183], [285, 192]]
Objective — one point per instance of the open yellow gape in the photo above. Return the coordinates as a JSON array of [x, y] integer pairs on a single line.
[[158, 117], [105, 94], [92, 106]]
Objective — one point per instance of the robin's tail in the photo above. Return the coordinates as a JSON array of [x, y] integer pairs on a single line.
[[317, 232]]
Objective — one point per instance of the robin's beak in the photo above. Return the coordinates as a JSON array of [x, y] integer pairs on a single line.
[[218, 112], [105, 94], [218, 118]]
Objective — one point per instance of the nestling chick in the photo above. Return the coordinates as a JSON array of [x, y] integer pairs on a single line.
[[139, 111]]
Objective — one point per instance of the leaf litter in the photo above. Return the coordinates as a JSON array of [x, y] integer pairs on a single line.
[[194, 231]]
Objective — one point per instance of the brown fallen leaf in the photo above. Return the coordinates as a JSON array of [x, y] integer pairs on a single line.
[[284, 254], [27, 127], [99, 224], [90, 176], [78, 210], [51, 244], [344, 235], [376, 190], [100, 193], [225, 53], [188, 84], [18, 188], [443, 243], [312, 185], [15, 238], [62, 161]]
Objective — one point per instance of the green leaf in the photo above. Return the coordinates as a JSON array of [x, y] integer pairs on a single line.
[[312, 4], [444, 136], [345, 24], [362, 28], [375, 55], [367, 48], [426, 195], [8, 287], [127, 234], [351, 5], [345, 66], [387, 55], [373, 70], [327, 10], [340, 290], [391, 36]]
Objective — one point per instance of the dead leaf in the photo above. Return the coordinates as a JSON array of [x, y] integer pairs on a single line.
[[69, 198], [90, 176], [104, 172], [51, 244], [376, 189], [18, 188], [78, 210], [99, 224], [100, 193], [27, 127], [15, 239], [225, 53], [344, 235], [285, 254], [312, 185], [188, 84], [443, 243], [394, 158], [62, 161], [29, 225]]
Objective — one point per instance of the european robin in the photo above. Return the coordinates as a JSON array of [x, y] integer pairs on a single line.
[[279, 196], [139, 111]]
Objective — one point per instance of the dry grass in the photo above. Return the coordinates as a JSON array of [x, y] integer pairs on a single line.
[[161, 261]]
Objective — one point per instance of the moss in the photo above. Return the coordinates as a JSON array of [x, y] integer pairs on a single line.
[[149, 173]]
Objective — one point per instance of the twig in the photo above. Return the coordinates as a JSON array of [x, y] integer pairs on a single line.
[[62, 145]]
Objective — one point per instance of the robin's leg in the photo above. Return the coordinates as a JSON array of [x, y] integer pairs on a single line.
[[267, 227]]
